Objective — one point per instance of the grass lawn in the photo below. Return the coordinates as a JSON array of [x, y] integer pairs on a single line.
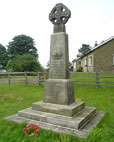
[[17, 97]]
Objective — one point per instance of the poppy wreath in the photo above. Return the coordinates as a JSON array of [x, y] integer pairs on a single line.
[[31, 129]]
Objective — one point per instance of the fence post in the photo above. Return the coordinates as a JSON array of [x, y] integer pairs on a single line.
[[25, 78], [9, 79], [97, 79], [46, 75], [38, 79]]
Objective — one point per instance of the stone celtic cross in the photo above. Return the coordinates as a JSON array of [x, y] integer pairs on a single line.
[[59, 14]]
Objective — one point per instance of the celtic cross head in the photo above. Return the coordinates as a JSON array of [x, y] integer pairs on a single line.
[[59, 14]]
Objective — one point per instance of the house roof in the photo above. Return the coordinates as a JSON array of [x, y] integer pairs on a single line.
[[98, 46]]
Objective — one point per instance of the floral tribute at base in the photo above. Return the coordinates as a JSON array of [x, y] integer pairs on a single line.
[[31, 129]]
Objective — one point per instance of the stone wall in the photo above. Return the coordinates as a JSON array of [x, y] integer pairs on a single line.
[[103, 57]]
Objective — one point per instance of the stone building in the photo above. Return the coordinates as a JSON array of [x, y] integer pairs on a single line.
[[99, 59]]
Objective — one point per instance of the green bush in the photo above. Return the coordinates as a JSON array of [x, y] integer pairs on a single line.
[[23, 63], [79, 69]]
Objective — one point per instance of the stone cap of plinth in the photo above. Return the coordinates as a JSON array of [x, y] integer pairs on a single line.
[[66, 110]]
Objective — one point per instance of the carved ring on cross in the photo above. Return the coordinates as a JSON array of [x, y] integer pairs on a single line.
[[59, 14]]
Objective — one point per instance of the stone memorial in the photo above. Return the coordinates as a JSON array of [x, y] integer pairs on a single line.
[[59, 111], [58, 88]]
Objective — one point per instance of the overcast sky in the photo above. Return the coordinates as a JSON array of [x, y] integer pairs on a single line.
[[91, 20]]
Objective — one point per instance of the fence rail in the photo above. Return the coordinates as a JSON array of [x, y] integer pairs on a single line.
[[33, 78], [93, 79], [38, 78]]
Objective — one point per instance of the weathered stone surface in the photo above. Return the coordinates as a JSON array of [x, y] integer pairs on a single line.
[[59, 14], [75, 122], [66, 110], [59, 57], [82, 133], [58, 88], [59, 91], [59, 28]]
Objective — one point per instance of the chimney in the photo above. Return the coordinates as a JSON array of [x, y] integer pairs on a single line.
[[96, 43]]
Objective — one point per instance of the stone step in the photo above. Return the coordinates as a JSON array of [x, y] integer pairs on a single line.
[[66, 110], [76, 122], [86, 115], [83, 133]]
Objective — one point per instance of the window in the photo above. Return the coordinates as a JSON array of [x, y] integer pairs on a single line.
[[90, 61], [85, 62], [79, 63]]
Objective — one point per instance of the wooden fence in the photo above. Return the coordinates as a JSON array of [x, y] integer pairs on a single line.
[[93, 79], [33, 78], [38, 78]]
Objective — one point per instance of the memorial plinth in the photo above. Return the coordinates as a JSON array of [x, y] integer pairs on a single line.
[[58, 111], [59, 91]]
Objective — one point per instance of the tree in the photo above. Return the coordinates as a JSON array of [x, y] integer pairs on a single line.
[[3, 56], [70, 66], [22, 63], [84, 49], [20, 45]]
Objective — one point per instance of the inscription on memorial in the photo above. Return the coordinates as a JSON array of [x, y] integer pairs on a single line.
[[57, 69], [57, 56]]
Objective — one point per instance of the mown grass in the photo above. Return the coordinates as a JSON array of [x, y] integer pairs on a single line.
[[17, 97]]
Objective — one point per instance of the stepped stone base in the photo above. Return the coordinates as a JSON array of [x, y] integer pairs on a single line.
[[74, 119], [83, 133]]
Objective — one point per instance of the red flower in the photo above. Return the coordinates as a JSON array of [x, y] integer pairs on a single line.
[[33, 129]]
